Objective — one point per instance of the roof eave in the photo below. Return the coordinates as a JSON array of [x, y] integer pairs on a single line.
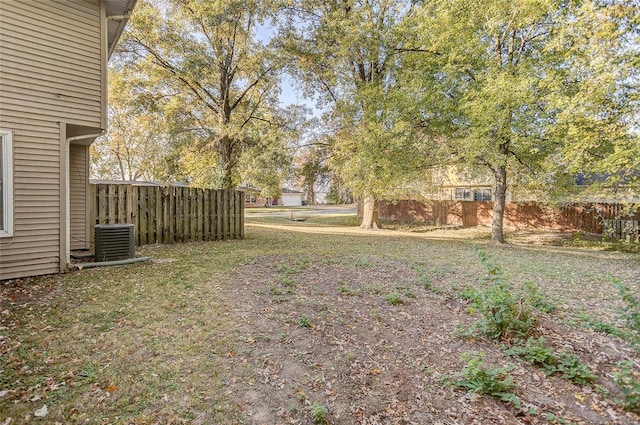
[[115, 27]]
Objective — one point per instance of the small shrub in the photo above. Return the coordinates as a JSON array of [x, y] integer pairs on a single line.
[[477, 378], [629, 384], [536, 352], [319, 413], [503, 313], [570, 367], [567, 365]]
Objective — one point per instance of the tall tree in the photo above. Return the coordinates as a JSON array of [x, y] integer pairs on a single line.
[[498, 71], [206, 55], [348, 51], [598, 117], [136, 146]]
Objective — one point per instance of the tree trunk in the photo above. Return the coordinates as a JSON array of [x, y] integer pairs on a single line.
[[224, 155], [370, 213], [500, 196]]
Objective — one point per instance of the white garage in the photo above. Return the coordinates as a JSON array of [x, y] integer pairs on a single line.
[[292, 198]]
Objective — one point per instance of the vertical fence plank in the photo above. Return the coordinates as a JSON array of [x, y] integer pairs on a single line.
[[135, 211], [111, 195], [236, 228], [172, 215], [206, 214], [185, 214], [192, 214], [151, 214], [242, 207], [143, 209], [225, 214], [159, 213], [92, 215], [102, 204], [200, 210], [122, 207], [219, 215]]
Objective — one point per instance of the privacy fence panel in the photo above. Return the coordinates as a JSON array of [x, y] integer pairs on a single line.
[[169, 214], [615, 220]]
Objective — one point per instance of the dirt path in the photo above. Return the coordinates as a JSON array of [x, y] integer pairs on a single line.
[[366, 343]]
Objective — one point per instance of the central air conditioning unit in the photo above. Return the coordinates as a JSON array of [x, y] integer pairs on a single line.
[[114, 242]]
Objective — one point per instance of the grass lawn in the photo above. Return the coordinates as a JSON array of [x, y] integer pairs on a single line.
[[312, 322]]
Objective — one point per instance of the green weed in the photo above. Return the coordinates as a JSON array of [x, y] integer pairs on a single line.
[[631, 312], [304, 322], [346, 290], [567, 365], [319, 413], [394, 298], [477, 378], [629, 384]]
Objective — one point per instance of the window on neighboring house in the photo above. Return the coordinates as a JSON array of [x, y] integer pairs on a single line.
[[464, 194], [6, 183], [482, 195]]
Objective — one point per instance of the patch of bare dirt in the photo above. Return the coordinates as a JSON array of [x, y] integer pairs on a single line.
[[364, 342]]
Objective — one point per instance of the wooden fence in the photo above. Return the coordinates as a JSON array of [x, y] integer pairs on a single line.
[[615, 220], [169, 214]]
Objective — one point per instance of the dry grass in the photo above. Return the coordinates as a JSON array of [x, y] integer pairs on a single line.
[[274, 328]]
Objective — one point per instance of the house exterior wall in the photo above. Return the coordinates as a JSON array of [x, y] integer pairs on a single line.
[[51, 75], [79, 196]]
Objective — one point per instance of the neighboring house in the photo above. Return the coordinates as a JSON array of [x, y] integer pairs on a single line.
[[253, 197], [53, 91]]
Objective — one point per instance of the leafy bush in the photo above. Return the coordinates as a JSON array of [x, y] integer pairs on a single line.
[[567, 365], [477, 378], [503, 312], [629, 385]]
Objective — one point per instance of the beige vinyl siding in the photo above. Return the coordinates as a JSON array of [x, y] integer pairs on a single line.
[[34, 249], [51, 60], [79, 187], [50, 73]]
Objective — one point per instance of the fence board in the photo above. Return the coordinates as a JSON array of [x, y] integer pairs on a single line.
[[169, 214]]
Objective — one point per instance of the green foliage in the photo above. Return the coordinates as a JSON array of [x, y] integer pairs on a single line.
[[477, 378], [629, 384], [217, 86], [319, 413], [631, 312], [570, 367], [347, 290], [304, 322], [537, 298], [504, 313], [567, 365], [394, 298]]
